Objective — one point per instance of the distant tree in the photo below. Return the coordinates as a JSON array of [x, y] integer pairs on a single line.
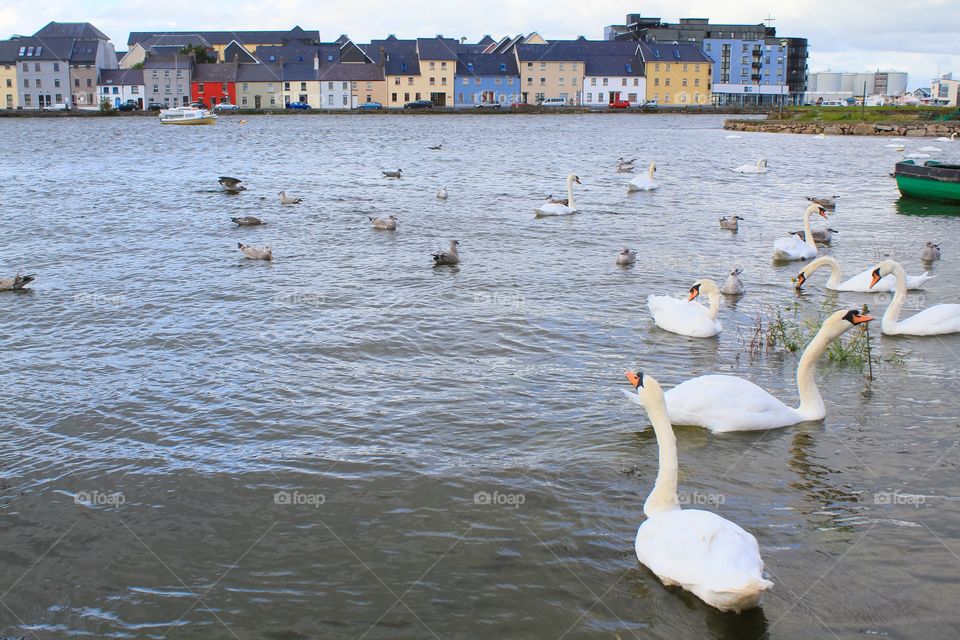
[[106, 105], [138, 65], [200, 53]]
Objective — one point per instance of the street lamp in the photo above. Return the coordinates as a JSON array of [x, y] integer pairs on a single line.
[[783, 44]]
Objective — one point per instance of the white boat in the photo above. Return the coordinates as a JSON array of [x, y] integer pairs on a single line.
[[187, 115]]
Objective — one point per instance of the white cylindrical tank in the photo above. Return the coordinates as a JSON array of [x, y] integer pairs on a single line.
[[896, 83]]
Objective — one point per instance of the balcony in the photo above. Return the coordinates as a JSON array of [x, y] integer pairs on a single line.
[[756, 64]]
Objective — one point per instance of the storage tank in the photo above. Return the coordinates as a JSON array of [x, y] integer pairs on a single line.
[[829, 82], [896, 83]]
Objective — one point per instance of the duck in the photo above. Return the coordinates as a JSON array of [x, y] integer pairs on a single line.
[[393, 174], [644, 181], [820, 236], [952, 138], [17, 282], [284, 199], [686, 317], [730, 224], [437, 147], [828, 202], [255, 253], [733, 286], [859, 282], [724, 403], [931, 253], [559, 208], [442, 193], [793, 248], [937, 320], [387, 223], [248, 221], [626, 256], [760, 167], [449, 257], [231, 185], [705, 554]]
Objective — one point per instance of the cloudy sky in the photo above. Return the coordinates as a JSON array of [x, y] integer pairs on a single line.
[[921, 37]]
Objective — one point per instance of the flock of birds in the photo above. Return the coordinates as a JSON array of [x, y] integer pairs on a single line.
[[698, 550]]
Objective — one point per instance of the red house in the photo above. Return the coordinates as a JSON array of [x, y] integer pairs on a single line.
[[212, 84]]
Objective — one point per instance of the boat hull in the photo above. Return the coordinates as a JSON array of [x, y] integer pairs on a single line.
[[194, 121], [930, 181]]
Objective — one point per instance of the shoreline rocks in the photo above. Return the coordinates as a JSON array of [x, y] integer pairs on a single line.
[[853, 128]]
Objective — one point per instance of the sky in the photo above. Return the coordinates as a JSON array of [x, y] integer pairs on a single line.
[[921, 37]]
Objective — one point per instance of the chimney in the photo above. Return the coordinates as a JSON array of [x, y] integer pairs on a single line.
[[316, 61]]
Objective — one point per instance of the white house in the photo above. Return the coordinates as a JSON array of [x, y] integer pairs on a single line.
[[120, 85], [613, 77]]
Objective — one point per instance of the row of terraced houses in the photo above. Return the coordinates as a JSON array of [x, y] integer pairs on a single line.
[[687, 64]]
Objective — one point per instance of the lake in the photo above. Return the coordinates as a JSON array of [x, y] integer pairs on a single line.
[[350, 443]]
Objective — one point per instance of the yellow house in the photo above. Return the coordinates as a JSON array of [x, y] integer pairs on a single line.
[[550, 70], [421, 69], [9, 97], [677, 74]]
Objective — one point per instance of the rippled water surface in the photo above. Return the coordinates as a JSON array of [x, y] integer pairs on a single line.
[[202, 446]]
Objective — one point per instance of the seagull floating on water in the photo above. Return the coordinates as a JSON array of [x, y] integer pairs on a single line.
[[931, 252], [284, 199], [255, 253], [16, 283], [393, 174], [733, 286], [449, 257], [231, 185], [388, 223], [626, 256], [730, 224], [248, 221]]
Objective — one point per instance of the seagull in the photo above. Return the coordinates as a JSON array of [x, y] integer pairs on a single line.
[[436, 148], [731, 224], [931, 252], [829, 202], [551, 200], [451, 256], [823, 236], [231, 185], [442, 193], [288, 200], [388, 223], [626, 256], [733, 286], [16, 283], [393, 174], [248, 221], [254, 253]]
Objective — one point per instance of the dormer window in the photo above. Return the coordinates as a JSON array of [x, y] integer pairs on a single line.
[[470, 67], [503, 68]]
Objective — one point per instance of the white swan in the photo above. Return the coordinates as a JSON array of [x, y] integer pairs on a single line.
[[686, 317], [760, 167], [727, 403], [859, 282], [644, 181], [442, 193], [793, 248], [709, 556], [931, 149], [950, 139], [549, 208], [932, 321]]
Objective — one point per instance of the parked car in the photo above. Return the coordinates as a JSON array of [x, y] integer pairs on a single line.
[[487, 105], [155, 106], [648, 104], [129, 105], [419, 104], [198, 105], [554, 102], [226, 106], [60, 106], [370, 105], [620, 104], [297, 105]]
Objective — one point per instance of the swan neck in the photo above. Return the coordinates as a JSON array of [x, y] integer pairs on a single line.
[[663, 497], [892, 314], [808, 234], [835, 271], [811, 403], [714, 298], [650, 171], [570, 192]]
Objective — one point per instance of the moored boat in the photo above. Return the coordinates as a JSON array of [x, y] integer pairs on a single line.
[[187, 115], [932, 180]]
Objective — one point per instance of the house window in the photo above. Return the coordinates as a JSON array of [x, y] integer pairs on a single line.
[[538, 97], [273, 101], [200, 87], [369, 87], [410, 82], [575, 66], [666, 82], [154, 74], [56, 66], [56, 82], [696, 82], [560, 81], [433, 65], [589, 97], [135, 89], [303, 86], [656, 66], [406, 96], [26, 82], [270, 87], [345, 86], [684, 82], [543, 65], [606, 81], [460, 97], [116, 90], [246, 87], [417, 94], [443, 66], [243, 100], [396, 80], [465, 82], [529, 82], [666, 66], [561, 66], [36, 67], [59, 97], [179, 73], [600, 96], [656, 82], [156, 88], [666, 97], [330, 99], [330, 86], [166, 73], [636, 82], [497, 80], [684, 67], [393, 97], [443, 81], [38, 83], [26, 99], [593, 82], [76, 82], [510, 81], [706, 46], [89, 82], [344, 100], [696, 68], [433, 81], [26, 67], [543, 81]]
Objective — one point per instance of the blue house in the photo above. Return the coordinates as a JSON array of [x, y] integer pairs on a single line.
[[485, 78]]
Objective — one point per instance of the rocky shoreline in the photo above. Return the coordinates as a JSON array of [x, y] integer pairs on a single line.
[[853, 128]]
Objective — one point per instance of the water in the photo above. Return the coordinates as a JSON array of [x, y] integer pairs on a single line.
[[202, 446]]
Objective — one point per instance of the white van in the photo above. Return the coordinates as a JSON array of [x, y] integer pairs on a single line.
[[554, 102]]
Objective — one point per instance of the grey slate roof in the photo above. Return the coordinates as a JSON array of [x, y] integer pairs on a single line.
[[299, 72], [286, 53], [118, 77], [84, 51], [8, 51], [437, 48], [175, 40], [259, 73], [71, 30], [50, 48], [225, 37], [663, 52], [209, 72], [167, 61], [557, 51], [619, 66], [351, 71], [400, 56], [486, 64]]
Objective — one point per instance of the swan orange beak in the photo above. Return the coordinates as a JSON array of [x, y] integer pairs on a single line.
[[860, 319], [800, 280], [635, 380], [823, 213], [694, 292], [876, 278]]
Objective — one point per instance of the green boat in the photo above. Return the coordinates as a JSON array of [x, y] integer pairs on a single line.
[[930, 181]]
